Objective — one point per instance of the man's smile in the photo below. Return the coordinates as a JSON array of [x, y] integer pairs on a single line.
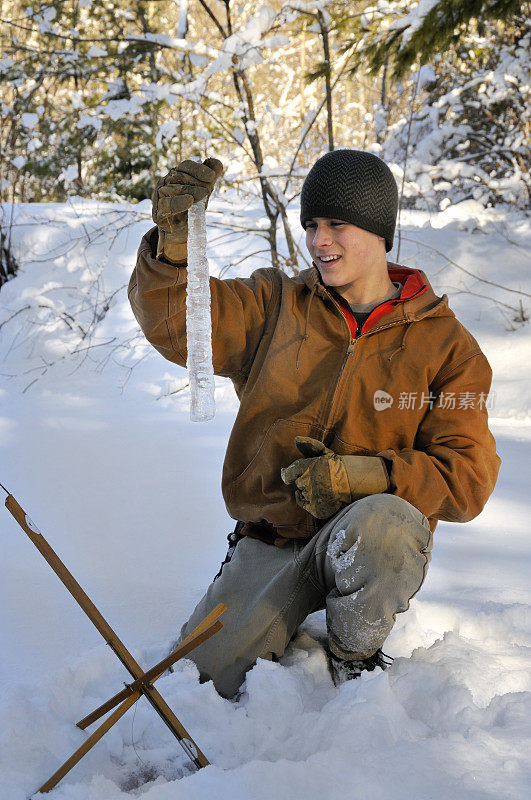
[[327, 261]]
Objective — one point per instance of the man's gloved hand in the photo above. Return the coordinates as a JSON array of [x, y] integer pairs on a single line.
[[326, 482], [185, 184]]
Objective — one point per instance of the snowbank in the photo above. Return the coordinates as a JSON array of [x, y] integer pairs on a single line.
[[100, 452]]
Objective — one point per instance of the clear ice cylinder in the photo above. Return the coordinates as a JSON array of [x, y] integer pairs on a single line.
[[199, 320]]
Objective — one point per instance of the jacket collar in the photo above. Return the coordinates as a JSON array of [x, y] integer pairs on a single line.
[[417, 299]]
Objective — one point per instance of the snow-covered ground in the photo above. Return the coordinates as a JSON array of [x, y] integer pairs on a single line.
[[98, 448]]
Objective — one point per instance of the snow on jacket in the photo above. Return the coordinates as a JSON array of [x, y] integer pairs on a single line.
[[411, 388]]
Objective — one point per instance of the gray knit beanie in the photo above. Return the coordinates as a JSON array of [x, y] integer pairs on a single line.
[[355, 187]]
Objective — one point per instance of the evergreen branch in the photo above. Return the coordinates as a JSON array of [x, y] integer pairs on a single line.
[[440, 28]]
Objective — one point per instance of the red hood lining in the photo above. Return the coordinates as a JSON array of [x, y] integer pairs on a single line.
[[412, 285], [411, 281]]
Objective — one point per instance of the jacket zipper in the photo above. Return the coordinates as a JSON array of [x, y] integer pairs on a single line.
[[350, 350], [338, 382]]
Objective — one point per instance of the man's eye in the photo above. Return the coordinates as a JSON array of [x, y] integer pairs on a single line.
[[335, 224]]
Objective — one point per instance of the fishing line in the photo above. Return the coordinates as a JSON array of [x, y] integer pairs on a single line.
[[133, 735]]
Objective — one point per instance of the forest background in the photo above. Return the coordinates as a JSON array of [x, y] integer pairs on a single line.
[[99, 97]]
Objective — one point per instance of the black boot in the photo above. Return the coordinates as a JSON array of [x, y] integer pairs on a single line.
[[342, 670]]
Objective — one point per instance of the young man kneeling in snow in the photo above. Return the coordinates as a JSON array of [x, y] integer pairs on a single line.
[[362, 419]]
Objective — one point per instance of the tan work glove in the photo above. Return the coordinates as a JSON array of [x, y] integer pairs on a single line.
[[184, 185], [326, 482]]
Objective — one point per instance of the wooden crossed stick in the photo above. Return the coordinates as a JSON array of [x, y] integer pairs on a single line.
[[143, 681]]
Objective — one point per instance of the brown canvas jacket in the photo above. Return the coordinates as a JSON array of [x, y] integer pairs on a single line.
[[287, 345]]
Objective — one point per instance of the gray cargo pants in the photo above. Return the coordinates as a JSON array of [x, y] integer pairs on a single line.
[[363, 566]]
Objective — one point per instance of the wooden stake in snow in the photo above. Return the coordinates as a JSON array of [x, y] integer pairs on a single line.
[[198, 319]]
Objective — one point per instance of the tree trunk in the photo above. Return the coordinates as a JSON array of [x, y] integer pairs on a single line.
[[328, 87], [302, 74], [8, 264], [273, 205]]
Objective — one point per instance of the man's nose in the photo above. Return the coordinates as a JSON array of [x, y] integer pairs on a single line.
[[321, 236]]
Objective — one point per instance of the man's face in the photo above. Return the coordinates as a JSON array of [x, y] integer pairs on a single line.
[[356, 252]]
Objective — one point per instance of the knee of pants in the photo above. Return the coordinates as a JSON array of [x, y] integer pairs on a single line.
[[386, 522]]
